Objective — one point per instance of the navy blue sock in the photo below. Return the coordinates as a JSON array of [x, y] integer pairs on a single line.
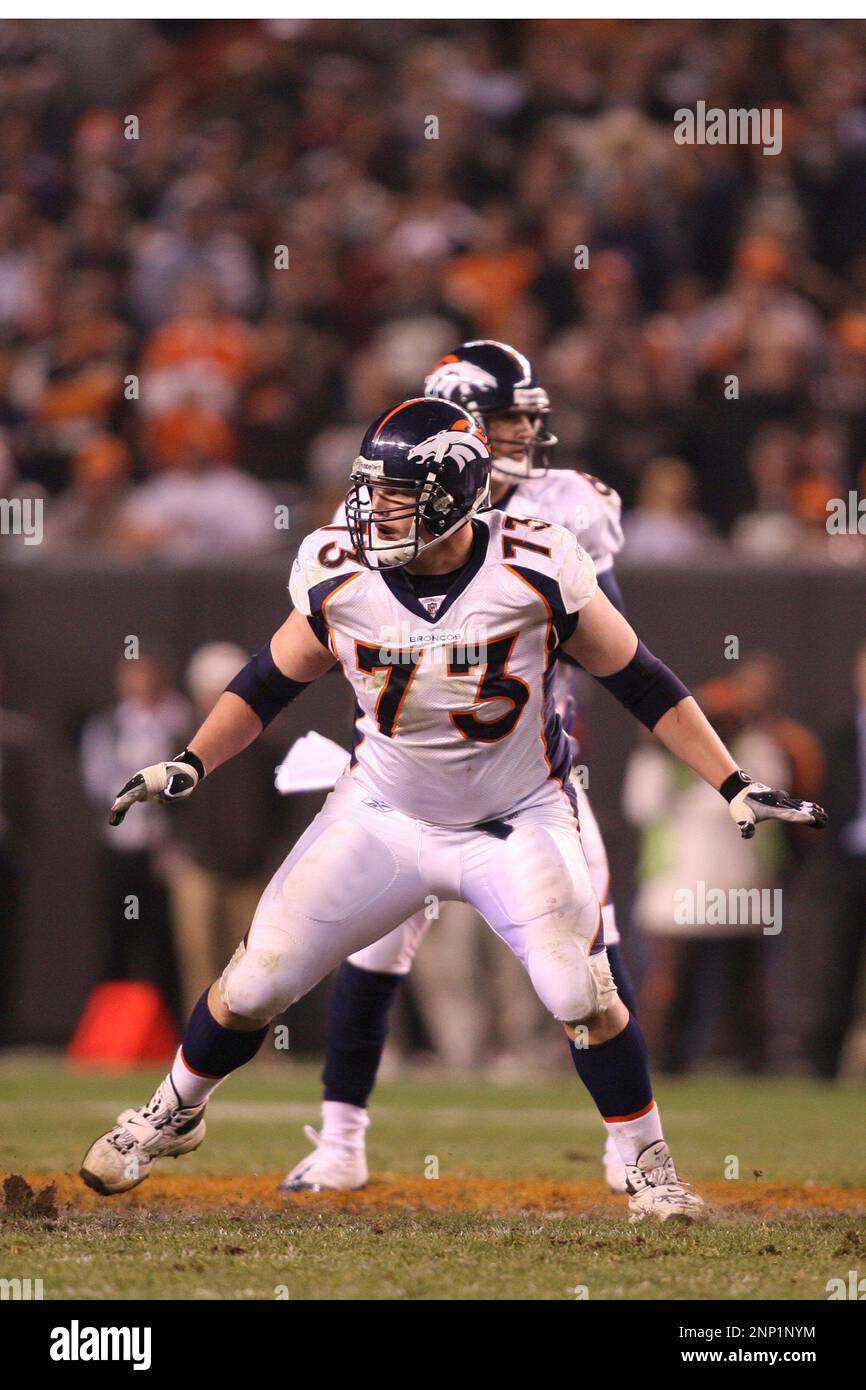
[[357, 1029], [621, 978], [616, 1073], [212, 1050]]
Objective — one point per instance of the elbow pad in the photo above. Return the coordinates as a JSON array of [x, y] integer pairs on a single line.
[[646, 687], [264, 687]]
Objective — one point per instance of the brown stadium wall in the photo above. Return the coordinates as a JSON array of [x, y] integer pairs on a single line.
[[62, 628]]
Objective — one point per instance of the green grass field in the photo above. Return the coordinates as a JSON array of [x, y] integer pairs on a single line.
[[518, 1211]]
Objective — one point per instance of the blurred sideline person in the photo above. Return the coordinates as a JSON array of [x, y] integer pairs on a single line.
[[467, 992], [846, 955], [136, 937], [225, 844], [459, 784], [791, 1010], [86, 516], [665, 527], [692, 962]]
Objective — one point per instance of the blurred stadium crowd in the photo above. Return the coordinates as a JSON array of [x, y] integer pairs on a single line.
[[155, 257], [198, 323]]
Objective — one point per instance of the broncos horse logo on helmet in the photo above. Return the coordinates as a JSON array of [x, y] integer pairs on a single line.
[[492, 380], [435, 454], [463, 448]]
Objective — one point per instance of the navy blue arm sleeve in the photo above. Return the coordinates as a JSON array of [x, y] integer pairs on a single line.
[[264, 687], [646, 687]]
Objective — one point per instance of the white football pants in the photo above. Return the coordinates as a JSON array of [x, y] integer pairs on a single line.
[[394, 954], [362, 868]]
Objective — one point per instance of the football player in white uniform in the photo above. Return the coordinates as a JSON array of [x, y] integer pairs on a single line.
[[500, 389], [459, 784]]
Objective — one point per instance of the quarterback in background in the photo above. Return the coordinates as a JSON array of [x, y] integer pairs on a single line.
[[500, 389], [459, 783]]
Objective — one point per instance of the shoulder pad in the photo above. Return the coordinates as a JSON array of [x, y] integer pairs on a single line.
[[324, 560], [550, 557]]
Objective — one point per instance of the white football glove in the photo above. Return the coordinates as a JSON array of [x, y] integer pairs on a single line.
[[162, 782], [757, 802]]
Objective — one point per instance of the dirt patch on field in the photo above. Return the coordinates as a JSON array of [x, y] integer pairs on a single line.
[[20, 1202], [210, 1193]]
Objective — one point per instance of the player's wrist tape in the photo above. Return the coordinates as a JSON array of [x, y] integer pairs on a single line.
[[193, 760], [646, 687], [733, 785], [264, 687]]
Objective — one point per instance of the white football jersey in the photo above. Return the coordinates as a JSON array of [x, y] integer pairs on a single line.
[[591, 511], [455, 720], [578, 501]]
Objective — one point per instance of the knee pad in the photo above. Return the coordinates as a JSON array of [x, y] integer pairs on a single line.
[[560, 975], [252, 987], [547, 891], [267, 976], [571, 984]]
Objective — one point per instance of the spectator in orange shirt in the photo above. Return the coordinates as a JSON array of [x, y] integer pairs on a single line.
[[204, 354], [200, 504], [486, 282]]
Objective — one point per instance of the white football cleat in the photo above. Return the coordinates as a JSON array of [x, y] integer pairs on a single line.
[[655, 1190], [614, 1168], [331, 1167], [123, 1157]]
